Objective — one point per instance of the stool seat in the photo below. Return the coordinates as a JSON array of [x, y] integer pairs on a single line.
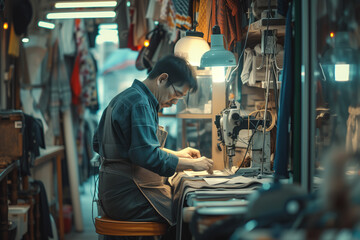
[[108, 226]]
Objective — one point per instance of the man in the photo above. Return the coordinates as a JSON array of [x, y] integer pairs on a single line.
[[128, 139]]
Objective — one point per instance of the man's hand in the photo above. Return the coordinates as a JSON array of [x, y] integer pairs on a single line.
[[196, 164], [188, 153], [202, 163]]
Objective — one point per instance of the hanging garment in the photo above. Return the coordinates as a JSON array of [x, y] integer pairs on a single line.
[[60, 95], [168, 16], [286, 102], [353, 130], [183, 20], [204, 19], [75, 82], [32, 141], [14, 43], [140, 22], [123, 22], [45, 223], [67, 42], [153, 10], [229, 21], [246, 76]]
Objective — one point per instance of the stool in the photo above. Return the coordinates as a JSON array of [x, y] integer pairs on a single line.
[[107, 226]]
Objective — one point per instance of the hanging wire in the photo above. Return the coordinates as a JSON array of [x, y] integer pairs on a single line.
[[228, 81]]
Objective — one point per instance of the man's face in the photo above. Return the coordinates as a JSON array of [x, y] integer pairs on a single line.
[[170, 95]]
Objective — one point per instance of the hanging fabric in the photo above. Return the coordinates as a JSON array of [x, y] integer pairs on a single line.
[[353, 130], [286, 102], [204, 19], [182, 19]]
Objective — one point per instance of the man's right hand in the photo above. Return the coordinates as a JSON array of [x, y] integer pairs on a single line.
[[196, 164], [202, 163]]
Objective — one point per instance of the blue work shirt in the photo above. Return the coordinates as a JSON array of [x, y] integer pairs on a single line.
[[134, 123]]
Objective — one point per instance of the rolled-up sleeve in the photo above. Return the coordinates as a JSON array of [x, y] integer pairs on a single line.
[[144, 147]]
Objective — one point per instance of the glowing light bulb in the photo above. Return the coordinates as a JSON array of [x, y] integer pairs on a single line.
[[5, 26], [146, 43], [218, 74]]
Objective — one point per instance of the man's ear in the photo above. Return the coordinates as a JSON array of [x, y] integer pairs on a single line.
[[162, 78]]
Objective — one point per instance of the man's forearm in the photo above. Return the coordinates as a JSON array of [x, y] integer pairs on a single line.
[[184, 164], [169, 151]]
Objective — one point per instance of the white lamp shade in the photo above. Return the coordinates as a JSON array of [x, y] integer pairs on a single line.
[[191, 48]]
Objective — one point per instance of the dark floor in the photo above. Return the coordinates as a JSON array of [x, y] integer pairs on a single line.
[[86, 197]]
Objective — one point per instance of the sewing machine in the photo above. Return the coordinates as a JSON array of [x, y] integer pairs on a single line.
[[229, 123]]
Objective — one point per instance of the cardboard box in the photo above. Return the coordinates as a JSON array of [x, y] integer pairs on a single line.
[[12, 129]]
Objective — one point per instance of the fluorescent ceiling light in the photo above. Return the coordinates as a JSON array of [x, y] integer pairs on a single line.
[[108, 32], [81, 14], [85, 4], [110, 26], [342, 72], [47, 25]]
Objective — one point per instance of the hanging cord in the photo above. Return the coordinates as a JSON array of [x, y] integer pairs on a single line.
[[229, 79]]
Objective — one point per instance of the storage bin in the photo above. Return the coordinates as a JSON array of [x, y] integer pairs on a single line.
[[19, 215]]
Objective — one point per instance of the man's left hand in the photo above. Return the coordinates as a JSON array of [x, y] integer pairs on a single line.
[[188, 153]]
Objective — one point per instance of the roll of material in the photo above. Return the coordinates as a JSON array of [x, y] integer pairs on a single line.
[[72, 162]]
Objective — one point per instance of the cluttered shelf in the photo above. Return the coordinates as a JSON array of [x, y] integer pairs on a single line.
[[257, 27]]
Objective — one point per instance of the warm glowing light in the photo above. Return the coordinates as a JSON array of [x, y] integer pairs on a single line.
[[342, 72], [191, 48], [332, 34], [110, 26], [218, 74], [146, 43], [83, 4], [6, 25], [25, 40]]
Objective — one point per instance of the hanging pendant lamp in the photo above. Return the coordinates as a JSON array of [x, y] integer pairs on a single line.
[[192, 47]]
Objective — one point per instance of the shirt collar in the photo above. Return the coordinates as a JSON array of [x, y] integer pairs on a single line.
[[143, 88]]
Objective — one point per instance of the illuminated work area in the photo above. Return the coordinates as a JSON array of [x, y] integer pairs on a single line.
[[179, 119]]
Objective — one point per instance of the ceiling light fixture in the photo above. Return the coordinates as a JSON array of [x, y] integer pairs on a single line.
[[81, 14], [47, 25], [85, 4]]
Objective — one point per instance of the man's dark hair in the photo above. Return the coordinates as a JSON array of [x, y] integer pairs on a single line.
[[178, 69]]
